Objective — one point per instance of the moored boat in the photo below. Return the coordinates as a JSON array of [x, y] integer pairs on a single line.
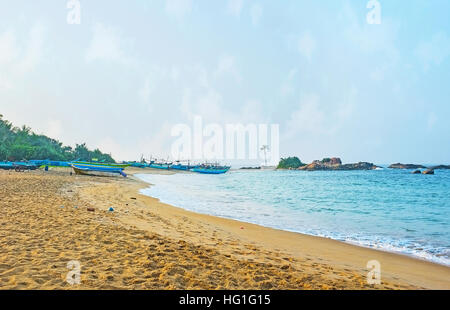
[[17, 165], [6, 166], [211, 169], [160, 165], [50, 163], [97, 170], [100, 164], [179, 166]]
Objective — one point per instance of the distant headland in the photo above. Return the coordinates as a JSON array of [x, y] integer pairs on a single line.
[[335, 163]]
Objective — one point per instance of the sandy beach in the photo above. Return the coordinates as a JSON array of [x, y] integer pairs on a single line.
[[146, 244]]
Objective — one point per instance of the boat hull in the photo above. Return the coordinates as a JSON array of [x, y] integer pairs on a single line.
[[182, 167], [210, 171], [6, 166], [98, 170], [94, 164], [156, 166]]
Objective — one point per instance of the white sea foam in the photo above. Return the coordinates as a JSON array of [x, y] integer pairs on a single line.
[[390, 210]]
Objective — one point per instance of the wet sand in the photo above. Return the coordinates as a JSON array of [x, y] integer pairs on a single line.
[[145, 244]]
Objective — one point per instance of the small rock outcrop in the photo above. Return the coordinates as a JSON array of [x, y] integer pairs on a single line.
[[406, 166], [336, 164], [441, 167], [416, 172], [428, 171]]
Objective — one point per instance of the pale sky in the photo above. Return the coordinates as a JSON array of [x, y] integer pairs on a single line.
[[131, 70]]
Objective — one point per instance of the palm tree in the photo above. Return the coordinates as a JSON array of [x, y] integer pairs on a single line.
[[265, 148]]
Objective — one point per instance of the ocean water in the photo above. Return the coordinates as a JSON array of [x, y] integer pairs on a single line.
[[391, 210]]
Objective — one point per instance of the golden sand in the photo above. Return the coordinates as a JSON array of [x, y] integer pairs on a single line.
[[145, 244]]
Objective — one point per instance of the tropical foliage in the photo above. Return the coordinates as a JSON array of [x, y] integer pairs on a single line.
[[23, 144], [290, 163]]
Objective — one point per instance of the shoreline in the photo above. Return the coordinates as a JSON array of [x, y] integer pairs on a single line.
[[146, 244], [391, 256], [349, 242]]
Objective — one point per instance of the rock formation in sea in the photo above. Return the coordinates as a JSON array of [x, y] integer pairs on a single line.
[[428, 171], [441, 167], [406, 166], [336, 164], [416, 172]]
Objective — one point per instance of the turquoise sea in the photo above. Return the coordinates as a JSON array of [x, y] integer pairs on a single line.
[[387, 209]]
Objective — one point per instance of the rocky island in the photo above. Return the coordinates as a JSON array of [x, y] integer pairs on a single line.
[[335, 163], [441, 167], [406, 166]]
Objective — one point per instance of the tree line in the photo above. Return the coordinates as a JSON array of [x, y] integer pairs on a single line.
[[21, 143]]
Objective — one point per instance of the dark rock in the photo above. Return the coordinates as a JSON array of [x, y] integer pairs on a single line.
[[406, 166], [441, 167], [336, 164], [429, 171], [416, 172], [358, 166]]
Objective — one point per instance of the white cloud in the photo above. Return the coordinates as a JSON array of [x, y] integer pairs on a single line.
[[252, 112], [235, 7], [178, 8], [287, 87], [435, 51], [431, 121], [145, 92], [308, 118], [107, 45], [109, 145], [175, 74], [227, 65], [256, 13], [8, 48], [17, 58], [54, 129], [33, 50], [306, 45]]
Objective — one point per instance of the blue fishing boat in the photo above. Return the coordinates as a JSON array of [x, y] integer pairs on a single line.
[[21, 165], [138, 165], [6, 165], [211, 169], [97, 170], [179, 166], [160, 165], [17, 165], [50, 163], [100, 164]]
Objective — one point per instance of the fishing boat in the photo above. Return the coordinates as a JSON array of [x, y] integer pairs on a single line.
[[160, 165], [97, 170], [17, 165], [138, 165], [50, 163], [6, 165], [211, 169], [100, 164], [179, 166], [21, 165]]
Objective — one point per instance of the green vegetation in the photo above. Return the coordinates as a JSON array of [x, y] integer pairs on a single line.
[[23, 144], [290, 163]]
